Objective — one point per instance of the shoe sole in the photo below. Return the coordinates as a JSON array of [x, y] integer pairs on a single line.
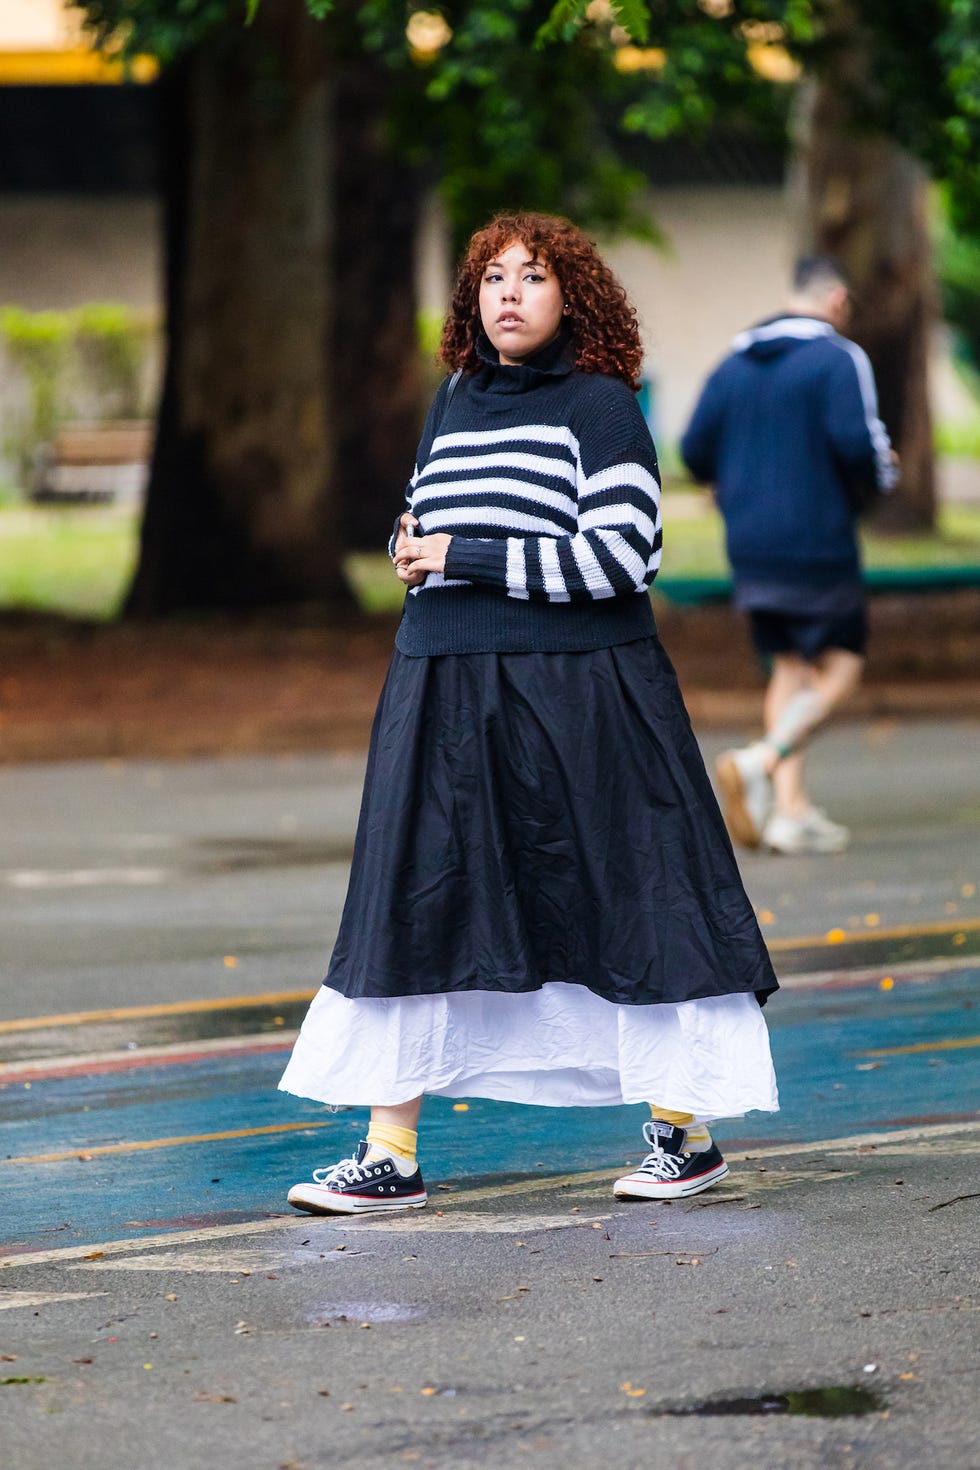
[[634, 1188], [321, 1202], [807, 849], [738, 818]]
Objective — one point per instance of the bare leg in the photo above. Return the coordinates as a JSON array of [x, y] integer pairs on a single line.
[[790, 675], [401, 1115], [837, 673], [830, 679], [799, 698]]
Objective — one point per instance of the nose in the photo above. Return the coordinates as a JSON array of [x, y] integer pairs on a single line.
[[510, 292]]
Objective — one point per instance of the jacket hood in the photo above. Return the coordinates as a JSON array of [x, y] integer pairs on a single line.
[[781, 334]]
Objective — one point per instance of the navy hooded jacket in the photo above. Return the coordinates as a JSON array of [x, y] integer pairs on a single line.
[[787, 431]]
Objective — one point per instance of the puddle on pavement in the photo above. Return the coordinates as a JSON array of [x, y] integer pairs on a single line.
[[838, 1402], [365, 1314]]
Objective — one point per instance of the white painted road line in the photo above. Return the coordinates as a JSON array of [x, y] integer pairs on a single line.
[[899, 1140]]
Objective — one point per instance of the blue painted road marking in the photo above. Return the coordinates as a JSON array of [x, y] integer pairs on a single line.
[[824, 1041]]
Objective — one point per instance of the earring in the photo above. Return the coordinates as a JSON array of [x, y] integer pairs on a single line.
[[567, 308]]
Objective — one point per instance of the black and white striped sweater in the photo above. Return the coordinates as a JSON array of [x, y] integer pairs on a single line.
[[546, 479]]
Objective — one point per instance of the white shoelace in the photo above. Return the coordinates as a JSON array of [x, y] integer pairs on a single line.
[[348, 1171], [662, 1165]]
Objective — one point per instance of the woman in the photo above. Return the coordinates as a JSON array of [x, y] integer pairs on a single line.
[[544, 906]]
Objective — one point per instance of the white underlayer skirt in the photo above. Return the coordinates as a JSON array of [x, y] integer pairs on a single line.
[[560, 1046]]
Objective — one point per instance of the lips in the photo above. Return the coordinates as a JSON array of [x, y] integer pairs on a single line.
[[510, 319]]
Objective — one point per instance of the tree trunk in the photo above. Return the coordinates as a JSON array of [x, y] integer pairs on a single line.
[[377, 379], [239, 512], [863, 201]]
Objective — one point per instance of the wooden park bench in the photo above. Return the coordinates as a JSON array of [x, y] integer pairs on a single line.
[[95, 464]]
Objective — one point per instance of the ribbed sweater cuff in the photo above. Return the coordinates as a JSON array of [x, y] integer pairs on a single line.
[[471, 560]]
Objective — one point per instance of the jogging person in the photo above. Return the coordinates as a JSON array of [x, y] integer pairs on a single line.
[[787, 431]]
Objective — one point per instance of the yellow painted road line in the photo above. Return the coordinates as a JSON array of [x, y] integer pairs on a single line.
[[464, 1197], [262, 1041], [145, 1143], [169, 1008], [865, 936], [296, 997], [953, 1044], [924, 971]]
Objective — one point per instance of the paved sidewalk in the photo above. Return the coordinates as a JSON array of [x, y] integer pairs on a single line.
[[530, 1323], [163, 924]]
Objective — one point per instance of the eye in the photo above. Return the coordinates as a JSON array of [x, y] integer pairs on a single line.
[[533, 276], [492, 276]]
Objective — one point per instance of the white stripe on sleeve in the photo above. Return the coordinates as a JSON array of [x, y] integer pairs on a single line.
[[554, 582], [625, 477], [632, 563], [516, 568], [887, 472], [589, 565], [607, 516]]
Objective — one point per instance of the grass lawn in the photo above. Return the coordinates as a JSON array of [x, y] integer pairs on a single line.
[[74, 561], [79, 561]]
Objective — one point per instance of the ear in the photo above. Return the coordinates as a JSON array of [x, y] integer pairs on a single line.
[[567, 310]]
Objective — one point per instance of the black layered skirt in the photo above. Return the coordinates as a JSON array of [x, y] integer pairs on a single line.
[[533, 819]]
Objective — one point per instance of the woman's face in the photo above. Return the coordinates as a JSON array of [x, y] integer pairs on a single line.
[[521, 304]]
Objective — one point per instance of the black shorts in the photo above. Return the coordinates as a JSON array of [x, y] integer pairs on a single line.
[[809, 637]]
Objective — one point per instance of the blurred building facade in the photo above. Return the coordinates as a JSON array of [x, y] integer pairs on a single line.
[[80, 216]]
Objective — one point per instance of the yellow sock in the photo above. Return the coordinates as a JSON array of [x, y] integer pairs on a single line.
[[697, 1135], [387, 1140]]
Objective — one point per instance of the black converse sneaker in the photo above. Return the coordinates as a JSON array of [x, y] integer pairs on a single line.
[[358, 1186], [668, 1172]]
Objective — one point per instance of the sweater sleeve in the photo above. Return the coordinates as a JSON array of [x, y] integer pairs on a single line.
[[616, 547]]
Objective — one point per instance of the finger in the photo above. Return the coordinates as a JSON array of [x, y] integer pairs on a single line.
[[410, 552]]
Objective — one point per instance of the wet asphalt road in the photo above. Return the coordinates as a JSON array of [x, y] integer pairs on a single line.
[[131, 883], [155, 1308]]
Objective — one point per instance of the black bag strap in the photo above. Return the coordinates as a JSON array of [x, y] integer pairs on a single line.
[[453, 385]]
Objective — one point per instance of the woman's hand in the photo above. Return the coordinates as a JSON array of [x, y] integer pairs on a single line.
[[407, 522], [417, 556]]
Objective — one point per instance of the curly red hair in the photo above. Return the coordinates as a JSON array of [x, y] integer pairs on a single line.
[[601, 320]]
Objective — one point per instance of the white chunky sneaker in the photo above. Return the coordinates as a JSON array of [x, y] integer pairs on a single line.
[[746, 791], [813, 832]]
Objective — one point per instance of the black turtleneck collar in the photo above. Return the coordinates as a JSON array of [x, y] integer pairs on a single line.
[[556, 360]]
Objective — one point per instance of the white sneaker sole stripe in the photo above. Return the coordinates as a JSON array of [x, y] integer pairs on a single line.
[[638, 1186], [324, 1202]]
